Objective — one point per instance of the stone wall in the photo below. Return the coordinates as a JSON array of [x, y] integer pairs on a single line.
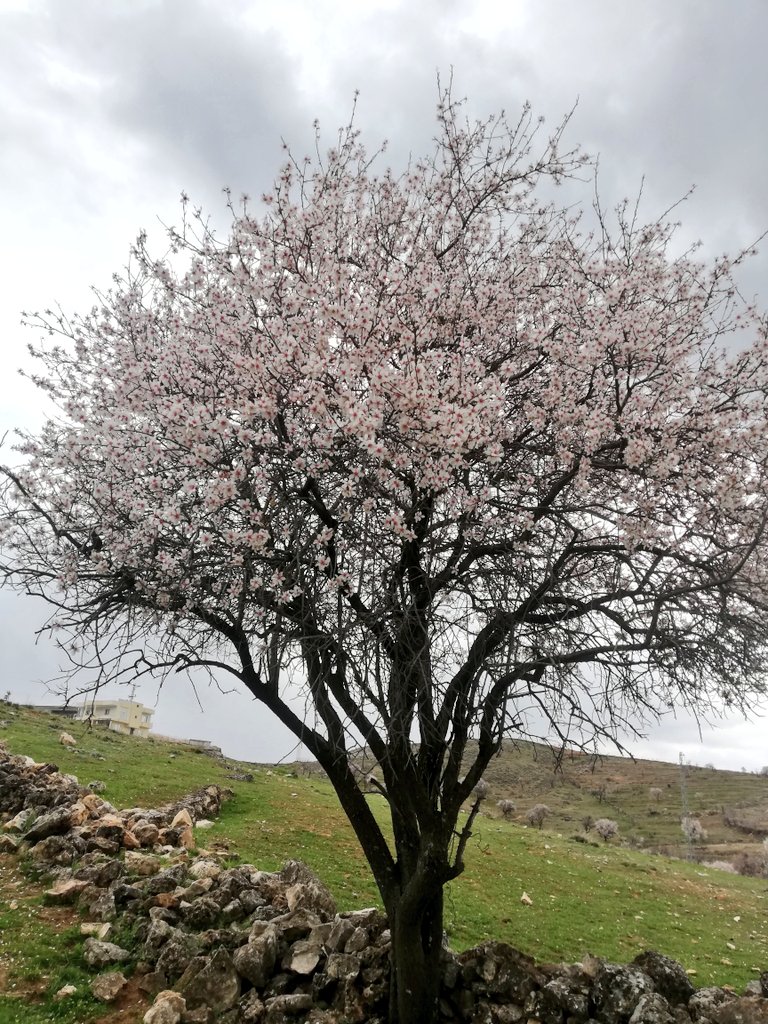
[[237, 945]]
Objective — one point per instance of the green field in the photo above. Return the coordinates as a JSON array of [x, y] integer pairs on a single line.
[[587, 896]]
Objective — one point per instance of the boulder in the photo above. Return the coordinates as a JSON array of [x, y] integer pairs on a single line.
[[652, 1008], [255, 961], [66, 891], [704, 1002], [98, 953], [211, 981], [167, 1008], [306, 891], [204, 869], [66, 740], [668, 976], [616, 991], [54, 823], [141, 864], [742, 1010], [107, 987]]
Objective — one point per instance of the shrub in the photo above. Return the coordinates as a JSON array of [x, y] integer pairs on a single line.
[[537, 814], [507, 807], [693, 830], [606, 828], [655, 793]]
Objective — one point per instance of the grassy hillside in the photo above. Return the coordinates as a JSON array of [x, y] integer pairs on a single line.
[[587, 896]]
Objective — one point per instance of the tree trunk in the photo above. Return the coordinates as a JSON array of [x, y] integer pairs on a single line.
[[417, 934]]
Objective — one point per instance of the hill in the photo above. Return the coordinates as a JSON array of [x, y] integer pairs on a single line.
[[587, 896]]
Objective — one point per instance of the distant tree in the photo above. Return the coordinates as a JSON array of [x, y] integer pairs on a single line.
[[693, 830], [764, 770], [600, 791], [587, 822], [507, 807], [537, 814], [606, 828], [422, 444], [655, 793], [481, 790]]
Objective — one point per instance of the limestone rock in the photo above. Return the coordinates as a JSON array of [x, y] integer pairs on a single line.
[[652, 1008], [54, 823], [705, 1001], [107, 987], [205, 869], [668, 976], [255, 961], [166, 1009], [66, 891], [211, 981], [742, 1010], [100, 954], [616, 991]]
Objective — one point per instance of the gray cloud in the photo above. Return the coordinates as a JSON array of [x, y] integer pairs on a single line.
[[107, 111]]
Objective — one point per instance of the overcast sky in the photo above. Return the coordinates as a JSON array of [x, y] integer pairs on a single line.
[[110, 108]]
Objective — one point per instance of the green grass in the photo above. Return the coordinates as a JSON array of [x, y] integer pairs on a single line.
[[603, 899]]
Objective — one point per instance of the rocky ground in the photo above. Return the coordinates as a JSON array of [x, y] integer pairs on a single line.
[[204, 940]]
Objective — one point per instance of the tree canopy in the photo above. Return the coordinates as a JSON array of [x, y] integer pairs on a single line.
[[426, 446]]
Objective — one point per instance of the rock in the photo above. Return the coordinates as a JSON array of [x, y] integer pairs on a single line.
[[705, 1001], [509, 975], [20, 821], [9, 844], [201, 913], [251, 1008], [205, 869], [100, 871], [187, 838], [668, 976], [280, 1007], [98, 929], [176, 954], [652, 1008], [107, 987], [146, 833], [100, 954], [54, 823], [211, 981], [563, 995], [343, 966], [306, 891], [97, 786], [153, 982], [166, 1009], [616, 991], [61, 850], [255, 961], [297, 924], [341, 930], [64, 993], [66, 891], [204, 824], [142, 864], [303, 956], [182, 818], [742, 1010], [66, 740]]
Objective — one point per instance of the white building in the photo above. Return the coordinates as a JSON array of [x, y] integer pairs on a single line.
[[126, 716]]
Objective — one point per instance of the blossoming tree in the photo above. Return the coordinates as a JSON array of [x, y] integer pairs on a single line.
[[423, 445]]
